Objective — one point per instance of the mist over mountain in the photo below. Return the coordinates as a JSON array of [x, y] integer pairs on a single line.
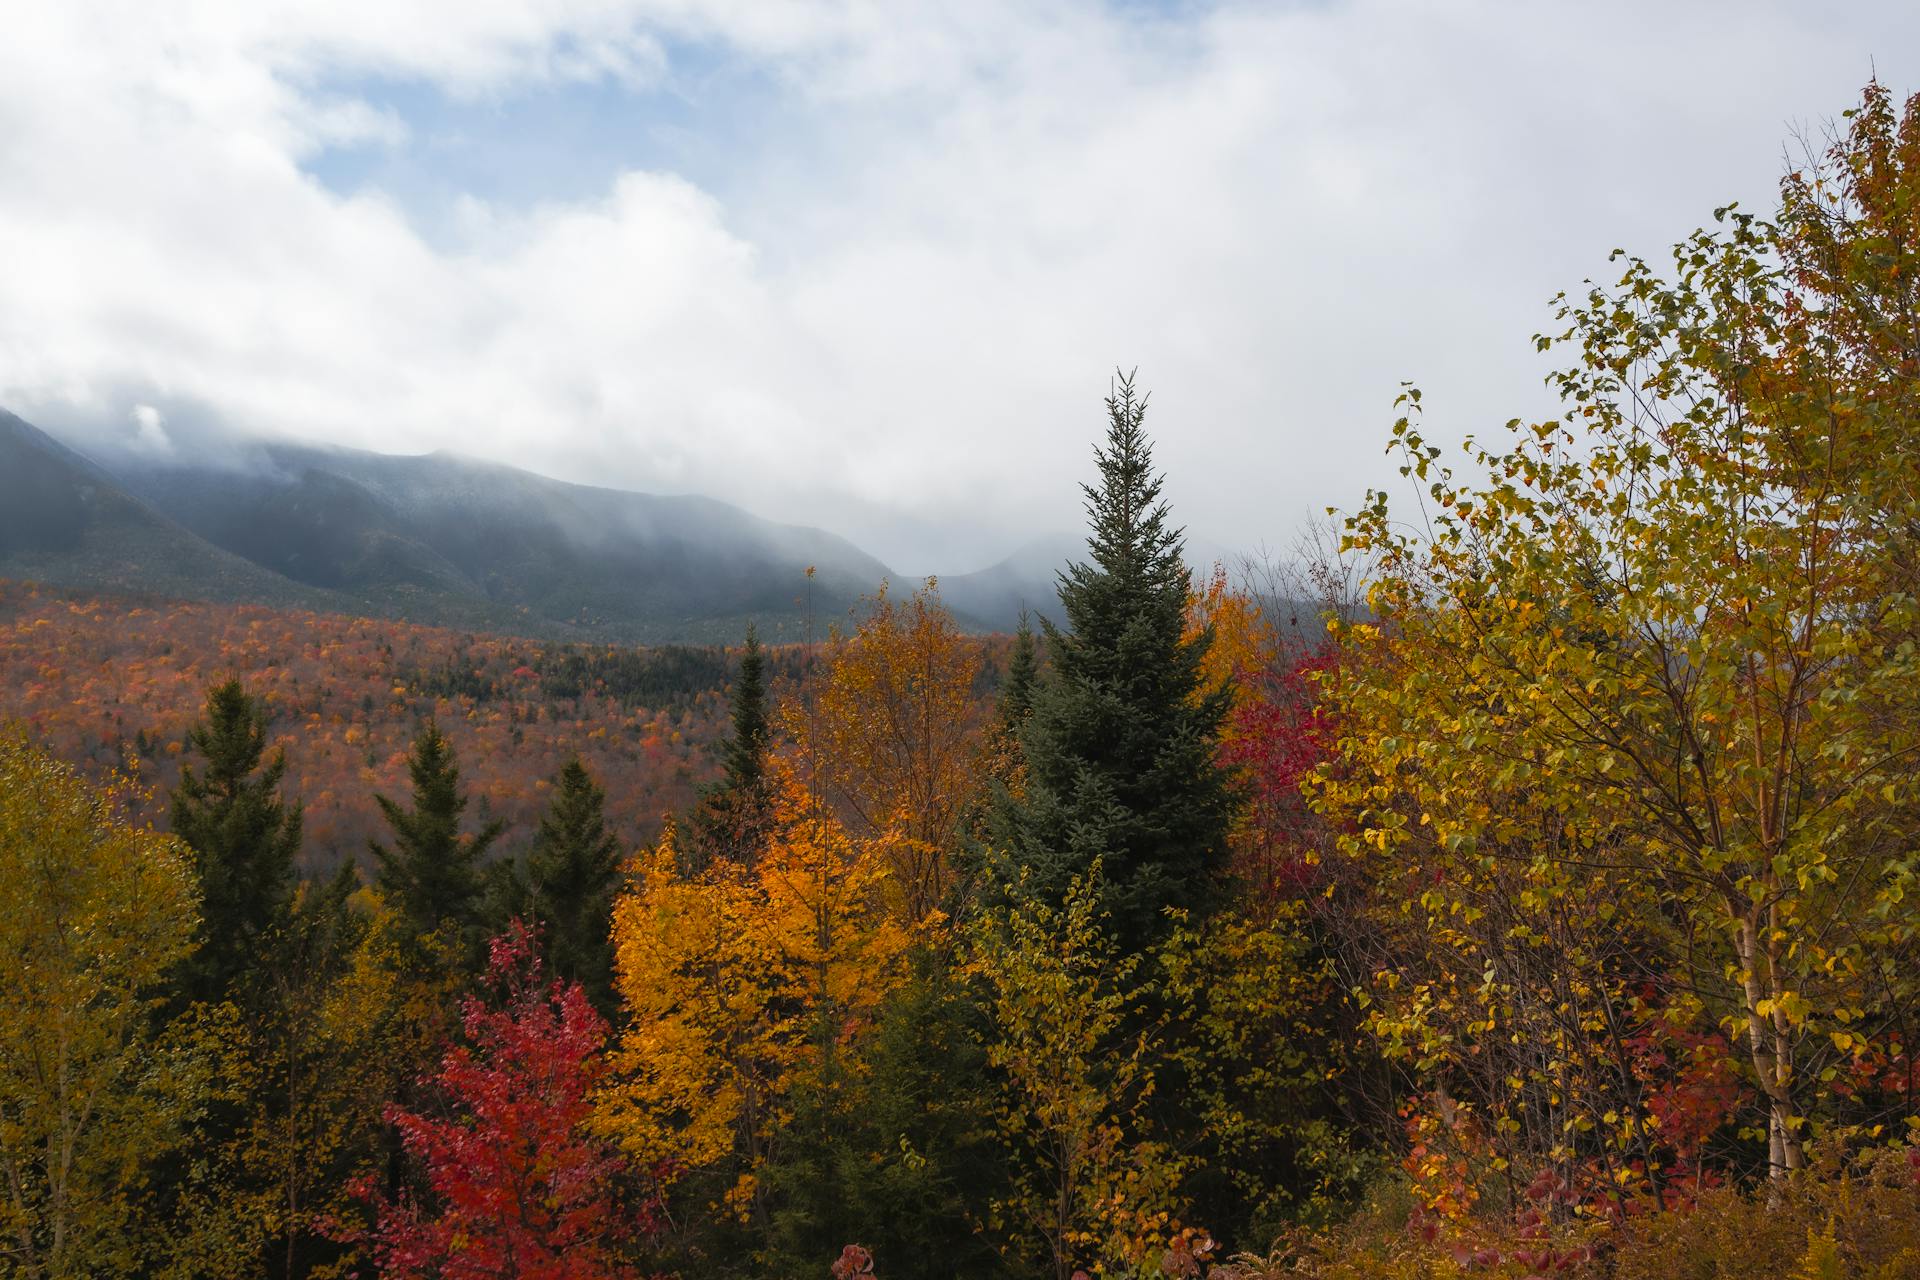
[[1026, 581], [446, 539], [65, 520]]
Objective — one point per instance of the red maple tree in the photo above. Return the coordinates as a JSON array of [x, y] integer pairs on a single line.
[[515, 1185], [1278, 734]]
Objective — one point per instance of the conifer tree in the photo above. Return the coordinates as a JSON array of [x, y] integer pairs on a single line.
[[1016, 690], [244, 839], [1120, 742], [431, 875], [571, 874], [747, 749], [732, 820]]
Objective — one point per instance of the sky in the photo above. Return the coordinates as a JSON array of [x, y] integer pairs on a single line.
[[867, 264]]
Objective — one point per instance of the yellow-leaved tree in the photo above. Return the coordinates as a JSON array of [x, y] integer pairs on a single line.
[[1630, 728], [740, 983], [1075, 1057], [98, 914]]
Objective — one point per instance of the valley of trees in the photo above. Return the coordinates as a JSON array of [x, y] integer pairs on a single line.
[[114, 684], [1546, 909]]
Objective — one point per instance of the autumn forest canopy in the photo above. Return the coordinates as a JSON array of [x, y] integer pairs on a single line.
[[1521, 881]]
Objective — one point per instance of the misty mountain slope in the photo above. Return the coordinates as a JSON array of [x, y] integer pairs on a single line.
[[444, 538], [447, 540], [313, 526], [64, 520], [1028, 579]]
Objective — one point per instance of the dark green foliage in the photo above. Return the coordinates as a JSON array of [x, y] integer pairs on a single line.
[[906, 1163], [746, 752], [310, 954], [568, 883], [243, 835], [1016, 688], [432, 874], [665, 676], [1119, 745], [455, 678], [732, 818]]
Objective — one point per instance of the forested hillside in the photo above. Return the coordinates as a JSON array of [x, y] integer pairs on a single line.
[[115, 683], [1547, 909]]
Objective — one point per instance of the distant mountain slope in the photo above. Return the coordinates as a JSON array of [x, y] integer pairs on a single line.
[[441, 538], [1028, 579], [447, 540], [65, 520]]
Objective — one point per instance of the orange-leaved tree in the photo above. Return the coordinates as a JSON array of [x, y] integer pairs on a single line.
[[891, 738], [741, 982]]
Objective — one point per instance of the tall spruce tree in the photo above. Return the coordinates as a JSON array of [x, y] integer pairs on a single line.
[[244, 837], [746, 754], [733, 816], [432, 874], [1016, 690], [570, 875], [1119, 744]]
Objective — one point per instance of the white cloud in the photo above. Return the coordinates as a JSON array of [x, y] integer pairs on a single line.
[[900, 314], [150, 430]]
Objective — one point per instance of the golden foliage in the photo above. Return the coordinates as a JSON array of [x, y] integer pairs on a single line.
[[1245, 646], [351, 1015], [1078, 1069], [98, 912], [739, 982], [1640, 691], [890, 737]]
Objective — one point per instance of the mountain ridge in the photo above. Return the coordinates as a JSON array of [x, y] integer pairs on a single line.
[[443, 538]]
